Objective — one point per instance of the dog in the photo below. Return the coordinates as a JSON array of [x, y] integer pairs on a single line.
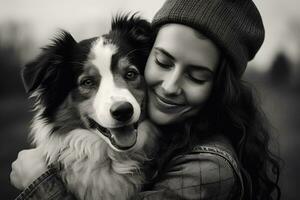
[[90, 109]]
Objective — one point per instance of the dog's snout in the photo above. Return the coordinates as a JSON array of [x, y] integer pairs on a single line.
[[121, 111]]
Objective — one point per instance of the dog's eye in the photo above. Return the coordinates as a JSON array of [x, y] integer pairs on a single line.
[[131, 75], [87, 83]]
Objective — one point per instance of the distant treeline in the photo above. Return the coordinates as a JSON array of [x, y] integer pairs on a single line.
[[13, 47]]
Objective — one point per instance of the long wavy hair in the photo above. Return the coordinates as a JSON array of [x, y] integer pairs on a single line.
[[234, 111]]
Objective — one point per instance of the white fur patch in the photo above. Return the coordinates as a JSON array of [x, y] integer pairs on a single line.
[[108, 92]]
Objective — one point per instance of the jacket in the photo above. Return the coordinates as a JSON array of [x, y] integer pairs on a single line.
[[209, 171]]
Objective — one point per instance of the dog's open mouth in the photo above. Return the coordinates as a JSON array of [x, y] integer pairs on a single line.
[[123, 138]]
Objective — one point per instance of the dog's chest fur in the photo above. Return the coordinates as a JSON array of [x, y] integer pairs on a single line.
[[91, 169]]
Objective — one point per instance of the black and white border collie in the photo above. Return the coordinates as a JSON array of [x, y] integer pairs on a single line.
[[90, 98]]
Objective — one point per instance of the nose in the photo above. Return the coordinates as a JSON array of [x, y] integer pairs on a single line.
[[121, 111], [171, 83]]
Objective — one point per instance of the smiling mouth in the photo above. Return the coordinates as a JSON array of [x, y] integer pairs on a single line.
[[166, 105], [167, 101], [122, 138]]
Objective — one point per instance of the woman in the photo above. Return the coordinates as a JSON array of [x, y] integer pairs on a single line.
[[216, 140]]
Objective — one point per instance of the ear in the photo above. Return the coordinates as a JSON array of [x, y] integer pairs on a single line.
[[141, 30], [137, 29], [41, 69]]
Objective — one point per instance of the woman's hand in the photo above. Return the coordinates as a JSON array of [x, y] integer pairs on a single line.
[[29, 165]]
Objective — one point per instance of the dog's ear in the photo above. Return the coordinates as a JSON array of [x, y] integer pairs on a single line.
[[138, 30], [137, 34], [45, 66]]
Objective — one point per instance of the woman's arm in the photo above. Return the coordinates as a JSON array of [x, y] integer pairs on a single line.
[[196, 176], [46, 187], [38, 182], [191, 176], [28, 166]]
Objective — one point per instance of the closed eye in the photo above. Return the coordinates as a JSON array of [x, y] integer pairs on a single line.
[[197, 80], [161, 64], [199, 74], [162, 59]]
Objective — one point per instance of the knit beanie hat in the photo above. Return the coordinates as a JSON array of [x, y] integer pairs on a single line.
[[233, 25]]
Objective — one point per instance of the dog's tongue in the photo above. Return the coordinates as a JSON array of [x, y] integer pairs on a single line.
[[124, 136]]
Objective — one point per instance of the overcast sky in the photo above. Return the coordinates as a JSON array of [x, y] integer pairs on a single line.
[[80, 17]]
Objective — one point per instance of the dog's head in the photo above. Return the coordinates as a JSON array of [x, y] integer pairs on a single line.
[[96, 83]]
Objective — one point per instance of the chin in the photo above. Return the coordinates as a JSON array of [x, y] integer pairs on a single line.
[[161, 118]]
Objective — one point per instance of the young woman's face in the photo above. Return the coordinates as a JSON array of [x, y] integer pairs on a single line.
[[179, 73]]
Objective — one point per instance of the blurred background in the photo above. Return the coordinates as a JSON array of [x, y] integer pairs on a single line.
[[27, 25]]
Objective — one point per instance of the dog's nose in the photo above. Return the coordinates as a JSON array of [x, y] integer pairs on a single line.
[[121, 111]]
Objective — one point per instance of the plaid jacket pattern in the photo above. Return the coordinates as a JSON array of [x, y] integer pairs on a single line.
[[206, 173]]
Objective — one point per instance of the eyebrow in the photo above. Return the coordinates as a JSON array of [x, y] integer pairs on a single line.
[[165, 52]]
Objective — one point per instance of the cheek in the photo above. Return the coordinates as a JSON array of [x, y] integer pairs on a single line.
[[86, 107], [82, 94], [198, 95], [152, 72]]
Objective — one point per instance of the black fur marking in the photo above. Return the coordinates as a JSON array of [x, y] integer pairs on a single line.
[[114, 62], [134, 38], [35, 73], [54, 72], [67, 118]]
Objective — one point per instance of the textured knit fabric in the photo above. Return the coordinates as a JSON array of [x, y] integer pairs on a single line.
[[234, 25]]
